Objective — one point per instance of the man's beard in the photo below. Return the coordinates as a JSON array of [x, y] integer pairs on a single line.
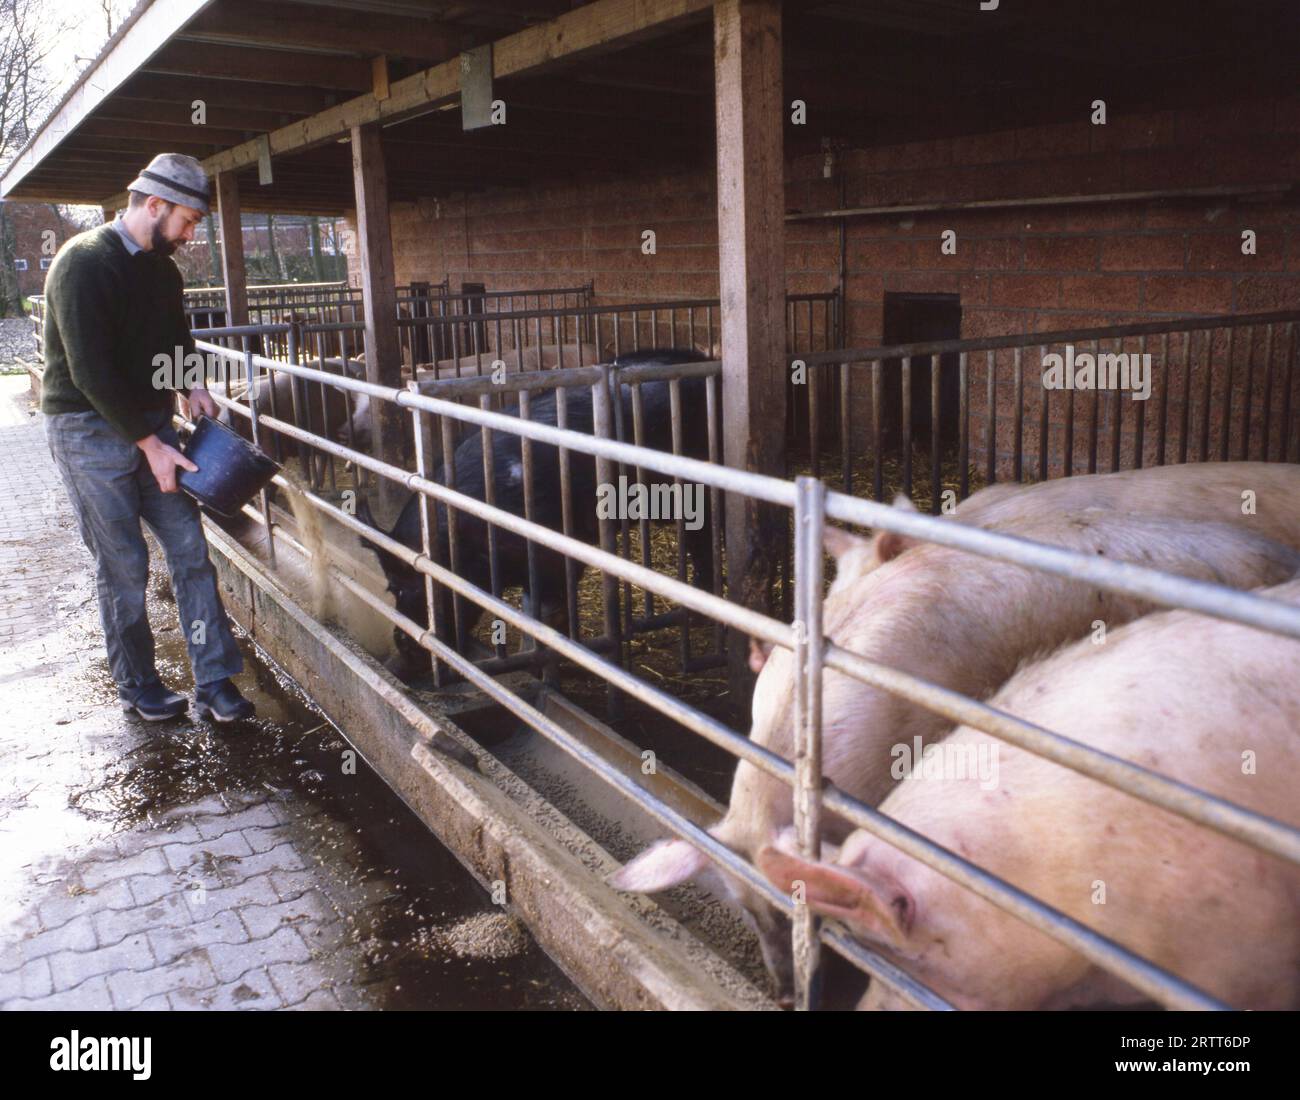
[[161, 244]]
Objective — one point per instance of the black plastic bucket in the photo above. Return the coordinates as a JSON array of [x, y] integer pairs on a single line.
[[231, 471]]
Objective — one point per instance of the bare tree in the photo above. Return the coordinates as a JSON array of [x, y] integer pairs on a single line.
[[27, 90]]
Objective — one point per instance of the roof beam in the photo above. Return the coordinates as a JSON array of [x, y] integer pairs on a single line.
[[165, 88], [264, 22], [588, 30], [241, 119], [162, 131], [205, 59]]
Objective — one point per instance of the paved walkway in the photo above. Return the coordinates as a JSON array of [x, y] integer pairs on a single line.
[[174, 866]]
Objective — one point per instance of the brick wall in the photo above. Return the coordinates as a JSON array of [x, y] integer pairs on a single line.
[[29, 221], [1016, 270]]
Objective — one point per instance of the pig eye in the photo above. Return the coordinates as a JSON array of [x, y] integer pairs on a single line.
[[902, 906]]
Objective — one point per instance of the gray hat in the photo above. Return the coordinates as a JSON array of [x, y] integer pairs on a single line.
[[176, 178]]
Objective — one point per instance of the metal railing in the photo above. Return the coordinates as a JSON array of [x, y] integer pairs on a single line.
[[626, 613], [810, 505], [1220, 387], [324, 303]]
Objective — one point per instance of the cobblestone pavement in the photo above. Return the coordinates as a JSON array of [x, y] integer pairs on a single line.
[[172, 866]]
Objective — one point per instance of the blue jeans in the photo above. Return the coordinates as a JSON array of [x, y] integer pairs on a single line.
[[112, 489]]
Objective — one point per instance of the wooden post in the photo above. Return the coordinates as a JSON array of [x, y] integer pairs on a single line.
[[379, 293], [232, 249], [751, 242]]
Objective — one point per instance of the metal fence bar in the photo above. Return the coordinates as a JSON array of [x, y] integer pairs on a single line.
[[1158, 983], [809, 517], [1149, 584]]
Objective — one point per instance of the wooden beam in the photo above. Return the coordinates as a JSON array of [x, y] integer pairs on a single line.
[[232, 94], [181, 113], [271, 67], [751, 268], [232, 249], [264, 23], [379, 76], [161, 132], [589, 29], [379, 293]]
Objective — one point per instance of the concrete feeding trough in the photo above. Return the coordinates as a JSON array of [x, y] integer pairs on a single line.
[[524, 814]]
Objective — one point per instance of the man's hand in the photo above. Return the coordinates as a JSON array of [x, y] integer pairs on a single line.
[[164, 459], [198, 402]]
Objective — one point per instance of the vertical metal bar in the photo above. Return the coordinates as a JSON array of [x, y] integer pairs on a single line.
[[566, 514], [624, 524], [643, 524], [1249, 395], [1227, 396], [427, 530], [459, 606], [963, 426], [1044, 429], [1067, 463], [715, 500], [602, 423], [675, 417], [907, 425], [846, 439], [1162, 428], [1186, 422], [250, 372], [490, 497], [1206, 392], [814, 419], [936, 471], [991, 421], [1292, 329], [1018, 381], [1117, 415], [1139, 414], [1268, 391], [530, 551], [809, 519], [877, 430]]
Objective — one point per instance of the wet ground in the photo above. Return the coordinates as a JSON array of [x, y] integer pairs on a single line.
[[176, 865]]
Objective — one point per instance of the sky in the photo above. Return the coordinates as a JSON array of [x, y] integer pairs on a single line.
[[88, 31]]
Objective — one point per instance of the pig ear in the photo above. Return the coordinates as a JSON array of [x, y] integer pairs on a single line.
[[883, 910], [839, 542], [854, 554], [665, 863], [758, 654], [889, 544]]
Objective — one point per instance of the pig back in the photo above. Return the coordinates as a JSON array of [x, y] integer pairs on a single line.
[[1263, 496]]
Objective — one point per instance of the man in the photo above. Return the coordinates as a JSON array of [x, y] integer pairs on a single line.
[[114, 302]]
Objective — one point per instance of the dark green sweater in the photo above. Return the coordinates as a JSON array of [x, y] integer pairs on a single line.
[[108, 313]]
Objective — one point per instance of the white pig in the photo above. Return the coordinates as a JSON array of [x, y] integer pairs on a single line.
[[1179, 693], [958, 620], [1264, 496]]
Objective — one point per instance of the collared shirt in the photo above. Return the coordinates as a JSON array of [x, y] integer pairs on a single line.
[[125, 234]]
